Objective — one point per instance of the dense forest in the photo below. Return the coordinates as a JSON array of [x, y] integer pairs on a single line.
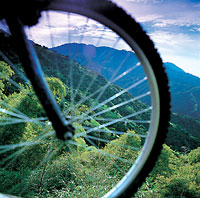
[[39, 165]]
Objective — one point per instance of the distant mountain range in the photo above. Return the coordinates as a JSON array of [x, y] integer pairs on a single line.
[[184, 87], [183, 131]]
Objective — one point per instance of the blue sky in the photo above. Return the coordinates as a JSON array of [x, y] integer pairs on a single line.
[[174, 26]]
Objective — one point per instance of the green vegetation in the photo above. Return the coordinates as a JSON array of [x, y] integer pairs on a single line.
[[184, 87], [39, 165], [6, 73], [175, 175]]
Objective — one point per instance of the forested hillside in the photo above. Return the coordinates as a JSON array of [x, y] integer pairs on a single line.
[[185, 90], [180, 134], [78, 170], [184, 87]]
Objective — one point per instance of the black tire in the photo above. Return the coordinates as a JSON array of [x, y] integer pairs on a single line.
[[113, 16], [127, 28]]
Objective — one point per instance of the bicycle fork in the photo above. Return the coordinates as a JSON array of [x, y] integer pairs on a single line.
[[33, 70]]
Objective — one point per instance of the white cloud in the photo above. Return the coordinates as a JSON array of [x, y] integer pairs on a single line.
[[138, 1], [163, 13], [163, 22], [176, 40], [148, 18], [177, 47], [180, 49], [56, 29], [144, 1], [195, 29]]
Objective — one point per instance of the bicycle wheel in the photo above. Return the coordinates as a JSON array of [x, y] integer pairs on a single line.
[[110, 84]]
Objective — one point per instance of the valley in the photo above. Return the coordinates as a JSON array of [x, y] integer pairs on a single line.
[[80, 86]]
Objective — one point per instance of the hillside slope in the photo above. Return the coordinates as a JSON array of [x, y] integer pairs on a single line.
[[53, 62], [185, 88]]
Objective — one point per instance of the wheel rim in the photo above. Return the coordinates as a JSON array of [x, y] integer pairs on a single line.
[[147, 147]]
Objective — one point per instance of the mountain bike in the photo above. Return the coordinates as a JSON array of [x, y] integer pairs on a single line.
[[89, 122]]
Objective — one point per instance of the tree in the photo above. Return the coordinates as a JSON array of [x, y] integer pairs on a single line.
[[57, 87], [5, 74]]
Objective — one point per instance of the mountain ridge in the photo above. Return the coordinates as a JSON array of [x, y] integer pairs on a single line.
[[180, 133], [183, 134], [184, 87]]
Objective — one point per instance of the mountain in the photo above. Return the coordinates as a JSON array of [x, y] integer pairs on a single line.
[[183, 131], [50, 168], [184, 87]]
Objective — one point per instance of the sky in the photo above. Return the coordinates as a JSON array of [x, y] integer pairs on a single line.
[[173, 25]]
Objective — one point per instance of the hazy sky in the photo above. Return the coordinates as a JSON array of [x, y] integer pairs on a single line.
[[174, 26]]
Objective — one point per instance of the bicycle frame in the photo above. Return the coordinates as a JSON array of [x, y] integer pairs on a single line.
[[32, 68]]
